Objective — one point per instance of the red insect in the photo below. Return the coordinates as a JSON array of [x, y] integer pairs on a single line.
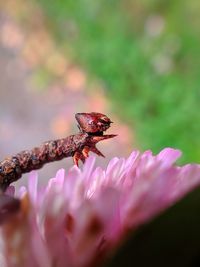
[[91, 125]]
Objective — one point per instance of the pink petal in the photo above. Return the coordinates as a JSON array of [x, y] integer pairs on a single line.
[[168, 156], [32, 186]]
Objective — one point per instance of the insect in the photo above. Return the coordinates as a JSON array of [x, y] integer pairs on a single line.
[[92, 127]]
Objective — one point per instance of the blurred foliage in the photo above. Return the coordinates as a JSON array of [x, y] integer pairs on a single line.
[[146, 53]]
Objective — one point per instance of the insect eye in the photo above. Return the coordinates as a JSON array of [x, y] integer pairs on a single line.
[[104, 121]]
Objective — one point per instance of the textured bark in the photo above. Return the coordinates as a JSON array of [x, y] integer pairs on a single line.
[[12, 168]]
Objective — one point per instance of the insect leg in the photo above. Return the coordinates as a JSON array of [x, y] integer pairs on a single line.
[[78, 156], [85, 151], [96, 151]]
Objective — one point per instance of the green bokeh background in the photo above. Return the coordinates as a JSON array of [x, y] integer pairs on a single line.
[[111, 40]]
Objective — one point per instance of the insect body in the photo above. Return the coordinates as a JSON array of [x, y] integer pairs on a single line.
[[91, 125]]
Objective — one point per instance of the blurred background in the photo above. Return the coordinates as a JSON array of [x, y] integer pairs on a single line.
[[136, 61]]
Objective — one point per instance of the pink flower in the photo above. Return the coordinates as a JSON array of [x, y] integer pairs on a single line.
[[81, 217]]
